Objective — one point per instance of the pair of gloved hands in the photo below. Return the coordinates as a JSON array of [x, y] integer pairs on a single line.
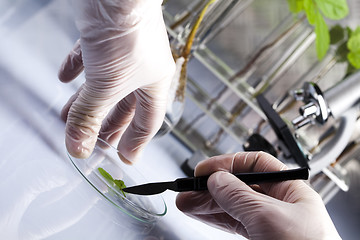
[[128, 65]]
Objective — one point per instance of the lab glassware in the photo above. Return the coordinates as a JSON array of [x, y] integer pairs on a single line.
[[144, 209]]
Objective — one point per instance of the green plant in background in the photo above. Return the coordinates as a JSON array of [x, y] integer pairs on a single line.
[[186, 51], [315, 11], [118, 184], [353, 45], [347, 42]]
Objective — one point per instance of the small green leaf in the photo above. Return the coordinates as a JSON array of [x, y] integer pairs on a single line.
[[333, 9], [310, 10], [354, 59], [118, 183], [296, 6], [354, 43], [337, 33], [106, 175], [322, 36]]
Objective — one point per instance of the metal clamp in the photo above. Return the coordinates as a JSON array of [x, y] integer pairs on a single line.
[[315, 108]]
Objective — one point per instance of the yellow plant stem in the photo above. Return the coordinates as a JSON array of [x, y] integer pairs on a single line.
[[190, 40], [180, 92]]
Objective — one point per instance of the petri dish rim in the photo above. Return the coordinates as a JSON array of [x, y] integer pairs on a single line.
[[151, 216]]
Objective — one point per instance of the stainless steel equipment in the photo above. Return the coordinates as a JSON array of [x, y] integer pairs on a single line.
[[255, 50]]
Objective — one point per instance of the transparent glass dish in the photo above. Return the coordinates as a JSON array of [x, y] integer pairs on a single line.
[[145, 209]]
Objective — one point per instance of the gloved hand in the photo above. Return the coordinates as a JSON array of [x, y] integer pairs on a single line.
[[128, 64], [283, 210]]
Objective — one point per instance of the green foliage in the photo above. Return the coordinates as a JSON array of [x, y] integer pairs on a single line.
[[106, 175], [118, 184], [346, 40], [315, 11], [354, 59], [296, 6], [354, 41], [347, 44], [333, 9], [322, 36], [310, 10], [353, 45]]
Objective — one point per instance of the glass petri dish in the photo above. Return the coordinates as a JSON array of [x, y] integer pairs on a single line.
[[145, 209]]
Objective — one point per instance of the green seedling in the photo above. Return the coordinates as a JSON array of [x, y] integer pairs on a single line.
[[117, 183]]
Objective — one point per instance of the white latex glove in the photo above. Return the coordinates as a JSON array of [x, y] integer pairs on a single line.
[[125, 52], [284, 210]]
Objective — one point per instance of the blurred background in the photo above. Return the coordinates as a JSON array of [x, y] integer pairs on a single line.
[[254, 82]]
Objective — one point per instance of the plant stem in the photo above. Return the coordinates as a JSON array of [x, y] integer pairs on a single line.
[[190, 39], [186, 16], [180, 92]]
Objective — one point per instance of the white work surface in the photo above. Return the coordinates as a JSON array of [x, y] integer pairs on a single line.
[[42, 194]]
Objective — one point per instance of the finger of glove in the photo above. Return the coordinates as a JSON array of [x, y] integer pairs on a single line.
[[85, 117], [289, 191], [197, 203], [149, 115], [72, 66], [202, 206], [66, 108], [238, 163], [240, 201], [118, 120], [222, 221]]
